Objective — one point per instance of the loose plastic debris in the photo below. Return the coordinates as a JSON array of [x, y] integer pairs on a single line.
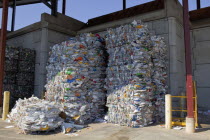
[[70, 127], [136, 75], [11, 126], [75, 77], [34, 114]]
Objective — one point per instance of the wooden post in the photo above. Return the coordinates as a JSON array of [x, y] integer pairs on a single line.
[[168, 111], [6, 105]]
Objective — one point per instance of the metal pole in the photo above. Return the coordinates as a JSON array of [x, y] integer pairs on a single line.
[[13, 15], [198, 4], [124, 4], [188, 63], [64, 7], [54, 8], [3, 45]]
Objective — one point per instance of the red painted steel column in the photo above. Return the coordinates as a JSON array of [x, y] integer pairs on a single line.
[[3, 45], [188, 62]]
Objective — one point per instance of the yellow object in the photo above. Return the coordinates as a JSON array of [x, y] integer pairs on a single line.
[[92, 35], [49, 108], [76, 117], [44, 128], [137, 86], [6, 105], [180, 109], [139, 26]]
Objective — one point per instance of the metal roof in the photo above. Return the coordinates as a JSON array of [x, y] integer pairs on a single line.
[[22, 2]]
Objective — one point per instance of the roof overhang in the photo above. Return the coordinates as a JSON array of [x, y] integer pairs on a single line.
[[22, 2]]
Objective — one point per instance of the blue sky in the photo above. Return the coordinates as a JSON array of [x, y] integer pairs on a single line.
[[78, 9]]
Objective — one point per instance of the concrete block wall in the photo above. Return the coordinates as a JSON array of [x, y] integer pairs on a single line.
[[200, 36], [176, 57]]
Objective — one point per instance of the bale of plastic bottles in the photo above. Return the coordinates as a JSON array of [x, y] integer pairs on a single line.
[[136, 75], [75, 77], [34, 114], [19, 72]]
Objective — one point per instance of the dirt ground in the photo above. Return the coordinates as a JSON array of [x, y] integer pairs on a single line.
[[104, 131]]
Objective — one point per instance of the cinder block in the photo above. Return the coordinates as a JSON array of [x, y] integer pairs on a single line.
[[203, 97], [37, 36], [56, 37], [43, 68], [17, 41], [172, 31], [177, 82], [37, 74], [36, 89], [179, 29], [28, 40], [180, 49], [44, 57], [202, 34], [173, 59], [160, 26], [201, 52], [174, 84], [202, 75]]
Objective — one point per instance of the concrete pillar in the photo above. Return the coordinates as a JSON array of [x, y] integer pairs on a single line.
[[168, 112], [190, 125]]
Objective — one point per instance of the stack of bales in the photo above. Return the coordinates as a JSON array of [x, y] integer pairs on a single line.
[[131, 98], [19, 72]]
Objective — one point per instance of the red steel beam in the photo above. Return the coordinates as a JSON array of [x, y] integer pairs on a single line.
[[188, 62], [3, 46]]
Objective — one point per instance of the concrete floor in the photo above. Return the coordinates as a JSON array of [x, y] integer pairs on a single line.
[[103, 131]]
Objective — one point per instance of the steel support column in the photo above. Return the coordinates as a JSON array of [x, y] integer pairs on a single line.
[[54, 8], [188, 62], [3, 38], [13, 15], [198, 4], [64, 7], [124, 4]]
